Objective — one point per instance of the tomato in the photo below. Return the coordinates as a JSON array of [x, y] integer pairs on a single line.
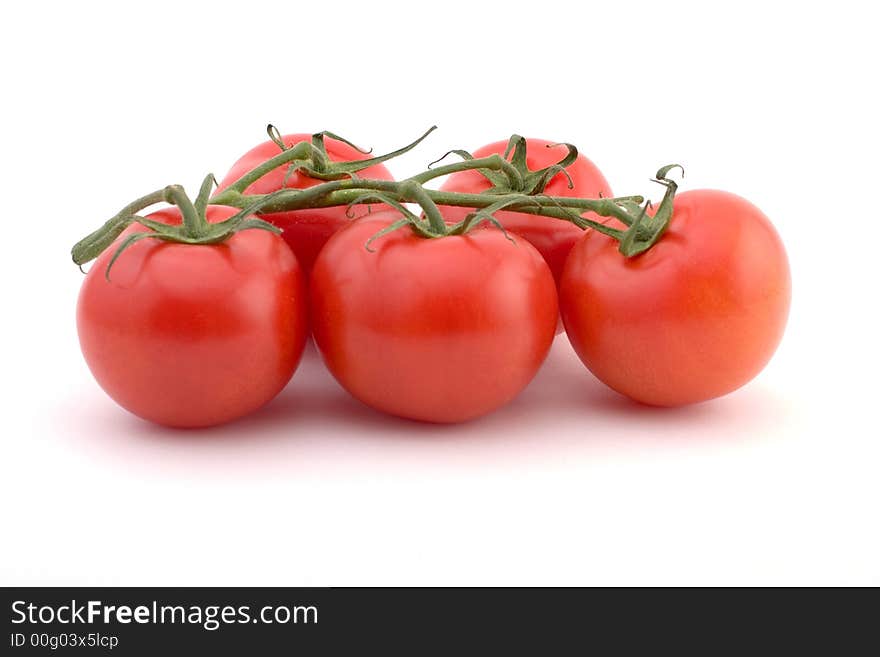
[[696, 316], [439, 330], [306, 231], [194, 335], [552, 237]]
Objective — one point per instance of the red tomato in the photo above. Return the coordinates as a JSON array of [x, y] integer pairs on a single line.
[[194, 335], [552, 237], [695, 317], [306, 231], [439, 330]]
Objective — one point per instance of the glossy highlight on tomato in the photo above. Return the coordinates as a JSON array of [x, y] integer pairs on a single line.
[[194, 335], [553, 238], [695, 317], [305, 231], [443, 329]]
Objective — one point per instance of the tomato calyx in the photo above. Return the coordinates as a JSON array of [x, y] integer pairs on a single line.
[[312, 160], [194, 229], [431, 223], [647, 229], [512, 175], [322, 168]]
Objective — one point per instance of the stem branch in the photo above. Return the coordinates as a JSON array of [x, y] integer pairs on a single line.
[[193, 223], [413, 191], [94, 243], [300, 151]]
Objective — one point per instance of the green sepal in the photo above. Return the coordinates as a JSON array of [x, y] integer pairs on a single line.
[[527, 181], [127, 242], [397, 225], [414, 221], [201, 202], [474, 219], [322, 167]]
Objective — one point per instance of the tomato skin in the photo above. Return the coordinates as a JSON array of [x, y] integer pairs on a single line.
[[553, 238], [305, 231], [693, 318], [193, 336], [437, 330]]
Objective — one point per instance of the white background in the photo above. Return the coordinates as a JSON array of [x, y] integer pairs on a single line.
[[570, 484]]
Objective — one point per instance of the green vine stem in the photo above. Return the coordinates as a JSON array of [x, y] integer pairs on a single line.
[[343, 192], [513, 187]]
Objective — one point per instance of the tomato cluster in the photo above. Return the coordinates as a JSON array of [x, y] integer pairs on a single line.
[[189, 330]]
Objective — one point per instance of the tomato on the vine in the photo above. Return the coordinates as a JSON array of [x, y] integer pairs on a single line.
[[553, 238], [194, 335], [440, 330], [694, 317], [307, 230]]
